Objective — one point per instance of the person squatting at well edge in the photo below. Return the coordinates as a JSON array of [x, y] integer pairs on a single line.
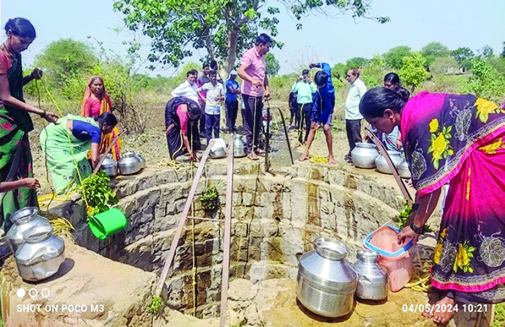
[[181, 120], [85, 134], [95, 102], [458, 139], [253, 73], [322, 110], [15, 120]]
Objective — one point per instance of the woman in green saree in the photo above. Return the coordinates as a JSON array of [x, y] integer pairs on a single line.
[[15, 120], [84, 133]]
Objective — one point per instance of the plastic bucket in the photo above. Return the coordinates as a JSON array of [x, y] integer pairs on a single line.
[[107, 223], [396, 258]]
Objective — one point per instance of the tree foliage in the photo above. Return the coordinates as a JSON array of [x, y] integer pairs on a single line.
[[413, 72], [486, 52], [394, 57], [273, 65], [486, 81], [444, 66], [66, 63], [356, 62], [374, 72], [434, 50], [225, 28], [463, 56]]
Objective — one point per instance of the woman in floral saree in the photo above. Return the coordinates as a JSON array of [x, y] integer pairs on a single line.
[[458, 139]]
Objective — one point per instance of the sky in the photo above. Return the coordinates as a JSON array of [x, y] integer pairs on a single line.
[[455, 23]]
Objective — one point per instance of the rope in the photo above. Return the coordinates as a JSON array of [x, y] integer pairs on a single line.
[[421, 280]]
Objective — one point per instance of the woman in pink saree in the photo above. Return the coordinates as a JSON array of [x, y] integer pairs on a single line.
[[458, 139]]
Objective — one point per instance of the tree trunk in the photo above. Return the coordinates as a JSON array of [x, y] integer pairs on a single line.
[[232, 52]]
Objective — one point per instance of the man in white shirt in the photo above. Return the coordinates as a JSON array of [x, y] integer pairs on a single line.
[[352, 116], [188, 88]]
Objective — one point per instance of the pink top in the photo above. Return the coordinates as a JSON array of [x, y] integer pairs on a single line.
[[255, 66], [5, 65], [92, 107], [183, 119]]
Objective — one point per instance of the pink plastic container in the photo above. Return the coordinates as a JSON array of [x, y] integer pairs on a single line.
[[396, 258]]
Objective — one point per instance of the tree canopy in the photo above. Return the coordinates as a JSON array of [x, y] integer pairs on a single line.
[[273, 65], [394, 57], [434, 50], [225, 28], [413, 72], [463, 56]]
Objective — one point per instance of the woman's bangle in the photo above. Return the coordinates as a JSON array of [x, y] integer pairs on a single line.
[[417, 230], [44, 114]]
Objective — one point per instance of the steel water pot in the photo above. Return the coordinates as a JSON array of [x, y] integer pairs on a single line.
[[129, 164], [141, 159], [363, 155], [326, 281], [41, 255], [110, 165], [372, 278], [239, 146], [382, 164], [403, 169], [23, 219]]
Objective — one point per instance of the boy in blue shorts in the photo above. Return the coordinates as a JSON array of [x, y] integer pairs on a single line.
[[322, 110]]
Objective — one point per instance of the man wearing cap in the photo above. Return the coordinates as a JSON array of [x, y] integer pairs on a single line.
[[232, 90]]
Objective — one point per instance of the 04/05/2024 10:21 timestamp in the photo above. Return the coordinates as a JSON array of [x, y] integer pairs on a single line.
[[464, 307]]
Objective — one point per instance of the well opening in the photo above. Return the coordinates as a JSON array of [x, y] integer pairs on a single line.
[[275, 220]]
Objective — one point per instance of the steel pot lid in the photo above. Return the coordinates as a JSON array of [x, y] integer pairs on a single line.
[[331, 248], [128, 154], [367, 255], [365, 145], [24, 215]]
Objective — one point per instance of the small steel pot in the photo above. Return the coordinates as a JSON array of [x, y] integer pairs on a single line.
[[41, 255], [364, 154], [382, 164], [326, 281], [110, 165], [23, 220], [238, 146], [129, 164], [372, 278], [403, 169], [141, 159]]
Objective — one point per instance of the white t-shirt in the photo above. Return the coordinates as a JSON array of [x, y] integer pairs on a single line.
[[213, 106], [356, 92]]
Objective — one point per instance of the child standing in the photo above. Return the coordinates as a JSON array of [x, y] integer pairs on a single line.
[[215, 94]]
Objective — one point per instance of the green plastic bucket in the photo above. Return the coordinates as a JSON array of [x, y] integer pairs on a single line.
[[107, 223]]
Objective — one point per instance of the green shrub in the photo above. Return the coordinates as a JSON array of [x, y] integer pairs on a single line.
[[485, 82]]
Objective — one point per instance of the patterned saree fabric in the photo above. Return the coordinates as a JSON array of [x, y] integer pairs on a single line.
[[461, 139]]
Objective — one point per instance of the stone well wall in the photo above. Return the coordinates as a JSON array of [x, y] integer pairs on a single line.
[[275, 219]]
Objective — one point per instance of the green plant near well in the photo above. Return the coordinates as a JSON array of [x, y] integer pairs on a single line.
[[404, 215], [155, 304], [210, 199], [97, 191], [499, 315]]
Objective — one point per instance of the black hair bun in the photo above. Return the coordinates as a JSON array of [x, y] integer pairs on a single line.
[[404, 94]]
